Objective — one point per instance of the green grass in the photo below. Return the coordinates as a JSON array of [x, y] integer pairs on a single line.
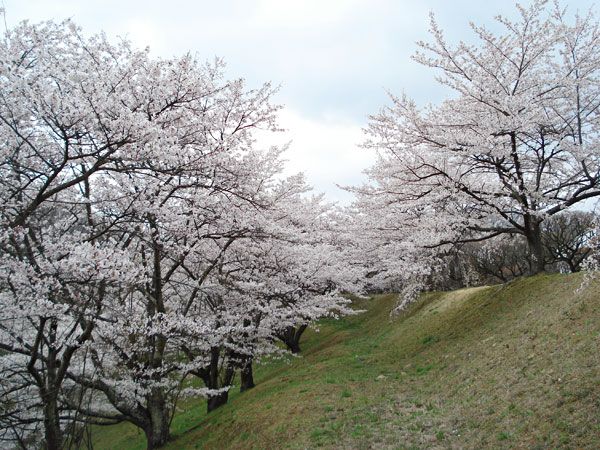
[[507, 366]]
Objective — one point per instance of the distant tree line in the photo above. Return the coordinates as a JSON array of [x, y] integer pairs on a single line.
[[567, 241]]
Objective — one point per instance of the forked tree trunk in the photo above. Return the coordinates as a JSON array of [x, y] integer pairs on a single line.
[[212, 380], [291, 337]]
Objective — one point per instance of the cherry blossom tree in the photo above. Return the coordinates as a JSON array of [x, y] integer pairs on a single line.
[[145, 238], [516, 143], [307, 266], [181, 204], [284, 276], [63, 120], [117, 171], [388, 247]]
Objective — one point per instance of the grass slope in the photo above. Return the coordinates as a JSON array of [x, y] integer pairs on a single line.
[[506, 366]]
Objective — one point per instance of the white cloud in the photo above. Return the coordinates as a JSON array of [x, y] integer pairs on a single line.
[[325, 149], [144, 32]]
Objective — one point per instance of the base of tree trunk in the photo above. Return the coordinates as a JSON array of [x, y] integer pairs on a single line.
[[216, 401], [293, 346], [156, 440], [52, 432]]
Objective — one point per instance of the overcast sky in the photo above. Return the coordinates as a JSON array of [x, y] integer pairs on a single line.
[[333, 59]]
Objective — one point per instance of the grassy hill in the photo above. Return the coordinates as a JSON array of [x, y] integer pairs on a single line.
[[506, 366]]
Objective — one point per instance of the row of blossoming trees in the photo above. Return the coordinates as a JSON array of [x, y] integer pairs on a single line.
[[149, 250], [515, 146]]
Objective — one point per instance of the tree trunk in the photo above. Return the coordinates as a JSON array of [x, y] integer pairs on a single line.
[[293, 346], [291, 337], [157, 430], [52, 431], [246, 375], [536, 247], [573, 267], [217, 401], [49, 393], [213, 381]]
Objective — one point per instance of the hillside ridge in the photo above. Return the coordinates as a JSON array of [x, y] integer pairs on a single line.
[[505, 366]]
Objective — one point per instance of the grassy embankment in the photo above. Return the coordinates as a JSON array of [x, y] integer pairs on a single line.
[[506, 366]]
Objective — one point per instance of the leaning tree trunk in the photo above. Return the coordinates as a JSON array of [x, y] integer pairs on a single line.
[[246, 375]]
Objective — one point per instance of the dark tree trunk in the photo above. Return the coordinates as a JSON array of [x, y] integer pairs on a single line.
[[217, 401], [291, 337], [52, 431], [213, 381], [293, 346], [155, 438], [246, 375]]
